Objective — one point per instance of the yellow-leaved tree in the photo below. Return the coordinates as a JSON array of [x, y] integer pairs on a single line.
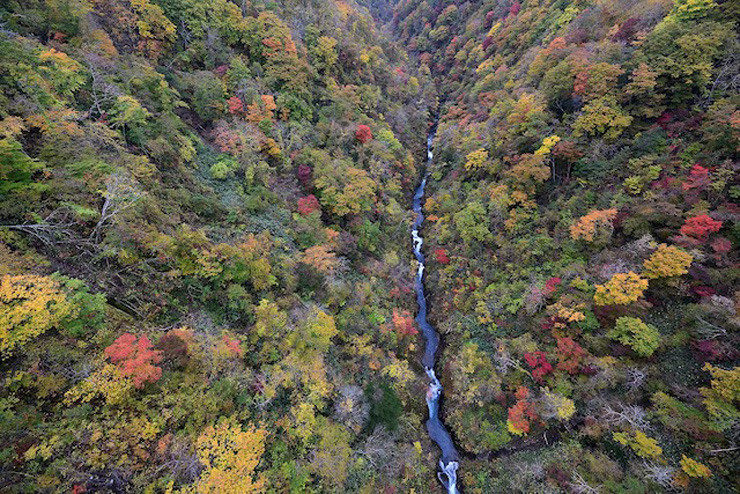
[[667, 261], [621, 289], [230, 456], [29, 306]]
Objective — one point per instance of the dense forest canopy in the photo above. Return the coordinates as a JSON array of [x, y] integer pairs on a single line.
[[206, 276]]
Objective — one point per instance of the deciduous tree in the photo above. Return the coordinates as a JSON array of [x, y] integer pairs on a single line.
[[643, 338], [621, 289], [135, 358]]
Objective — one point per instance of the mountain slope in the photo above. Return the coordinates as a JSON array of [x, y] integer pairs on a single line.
[[205, 275], [585, 231]]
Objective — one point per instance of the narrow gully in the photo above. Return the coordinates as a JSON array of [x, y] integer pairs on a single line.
[[450, 459]]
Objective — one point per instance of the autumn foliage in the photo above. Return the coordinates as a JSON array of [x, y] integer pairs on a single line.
[[442, 257], [570, 355], [403, 323], [308, 204], [135, 358], [537, 361], [667, 261], [700, 227], [522, 413], [230, 456], [363, 133], [29, 306], [596, 225], [621, 289]]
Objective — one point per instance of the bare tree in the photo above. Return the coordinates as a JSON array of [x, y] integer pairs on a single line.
[[383, 453], [351, 408], [634, 378], [55, 228], [660, 474], [503, 360], [579, 485], [102, 92], [121, 193], [619, 415]]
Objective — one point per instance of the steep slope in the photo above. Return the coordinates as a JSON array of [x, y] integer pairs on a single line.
[[205, 275], [584, 240]]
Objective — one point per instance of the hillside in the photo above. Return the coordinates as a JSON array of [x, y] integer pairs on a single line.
[[205, 276], [206, 270], [585, 230]]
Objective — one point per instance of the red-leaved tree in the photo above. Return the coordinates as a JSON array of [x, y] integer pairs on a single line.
[[569, 355], [522, 414], [404, 323], [308, 204], [235, 105], [700, 227], [363, 133], [539, 364], [441, 255], [135, 358]]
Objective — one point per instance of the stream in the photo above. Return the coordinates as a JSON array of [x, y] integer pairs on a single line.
[[449, 461]]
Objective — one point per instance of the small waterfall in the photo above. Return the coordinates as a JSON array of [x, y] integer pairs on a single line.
[[449, 462]]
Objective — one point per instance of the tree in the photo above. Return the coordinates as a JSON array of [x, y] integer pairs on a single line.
[[17, 174], [683, 56], [321, 258], [602, 116], [641, 91], [689, 10], [667, 261], [121, 193], [331, 457], [363, 134], [230, 456], [722, 398], [30, 305], [521, 414], [596, 226], [640, 443], [557, 406], [693, 468], [63, 72], [314, 335], [325, 53], [130, 116], [441, 256], [270, 320], [135, 358], [621, 289], [308, 204], [570, 354], [472, 223], [537, 361], [700, 227], [643, 338], [346, 191], [403, 323], [476, 160], [154, 28]]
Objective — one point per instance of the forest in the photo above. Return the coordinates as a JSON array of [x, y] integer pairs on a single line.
[[207, 282]]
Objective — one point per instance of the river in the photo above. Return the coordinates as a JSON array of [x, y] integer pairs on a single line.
[[450, 459]]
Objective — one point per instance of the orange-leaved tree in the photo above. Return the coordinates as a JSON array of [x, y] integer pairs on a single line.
[[595, 226], [135, 358]]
